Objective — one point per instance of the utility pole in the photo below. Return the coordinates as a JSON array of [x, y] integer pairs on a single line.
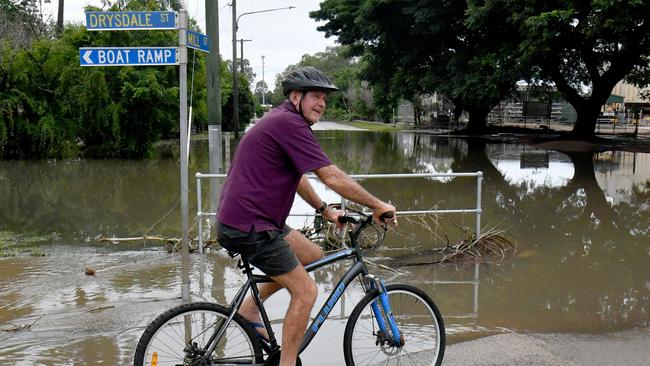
[[59, 19], [235, 92], [213, 59], [213, 76], [241, 53], [263, 83]]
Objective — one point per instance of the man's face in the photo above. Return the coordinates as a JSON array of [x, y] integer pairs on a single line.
[[313, 105]]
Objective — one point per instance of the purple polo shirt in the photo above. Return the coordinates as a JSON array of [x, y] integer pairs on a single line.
[[266, 169]]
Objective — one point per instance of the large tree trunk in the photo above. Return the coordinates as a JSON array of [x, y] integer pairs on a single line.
[[587, 117], [416, 102], [477, 120], [588, 108]]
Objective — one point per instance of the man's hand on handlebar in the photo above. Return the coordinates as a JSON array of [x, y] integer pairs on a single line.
[[385, 214], [332, 214]]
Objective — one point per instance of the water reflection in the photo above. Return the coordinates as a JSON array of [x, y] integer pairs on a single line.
[[580, 221], [532, 168]]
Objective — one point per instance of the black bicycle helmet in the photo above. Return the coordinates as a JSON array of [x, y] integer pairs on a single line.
[[306, 79]]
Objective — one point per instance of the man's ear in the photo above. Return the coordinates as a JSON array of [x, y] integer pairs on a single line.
[[294, 97]]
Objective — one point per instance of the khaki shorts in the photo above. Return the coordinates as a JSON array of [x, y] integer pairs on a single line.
[[266, 250]]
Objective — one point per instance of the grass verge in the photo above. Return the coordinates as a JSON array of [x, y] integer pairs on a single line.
[[14, 244], [374, 126]]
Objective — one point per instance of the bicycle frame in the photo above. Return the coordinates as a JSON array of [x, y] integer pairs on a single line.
[[358, 268]]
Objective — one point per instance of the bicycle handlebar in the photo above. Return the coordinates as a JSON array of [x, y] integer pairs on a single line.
[[364, 221], [349, 219], [345, 219]]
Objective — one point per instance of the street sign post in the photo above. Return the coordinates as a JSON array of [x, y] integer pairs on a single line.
[[128, 56], [149, 56], [130, 20], [198, 41]]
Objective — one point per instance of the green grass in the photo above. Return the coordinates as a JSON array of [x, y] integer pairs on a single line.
[[15, 244], [374, 126]]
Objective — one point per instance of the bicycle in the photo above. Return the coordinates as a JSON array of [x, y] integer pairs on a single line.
[[391, 324]]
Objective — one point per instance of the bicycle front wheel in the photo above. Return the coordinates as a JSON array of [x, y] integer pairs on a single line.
[[418, 320], [180, 335]]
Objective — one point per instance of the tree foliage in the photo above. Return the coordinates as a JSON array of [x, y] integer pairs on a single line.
[[50, 106], [583, 48], [354, 98], [262, 89], [245, 102], [21, 23], [475, 51], [410, 47], [248, 72]]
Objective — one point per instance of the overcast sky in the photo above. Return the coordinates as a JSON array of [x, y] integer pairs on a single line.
[[282, 36]]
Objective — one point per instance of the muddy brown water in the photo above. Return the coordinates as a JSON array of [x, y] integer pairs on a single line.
[[580, 222]]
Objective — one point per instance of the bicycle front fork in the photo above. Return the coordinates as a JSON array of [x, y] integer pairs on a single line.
[[388, 331]]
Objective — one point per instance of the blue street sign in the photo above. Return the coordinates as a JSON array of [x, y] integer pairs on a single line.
[[130, 20], [128, 56], [198, 41]]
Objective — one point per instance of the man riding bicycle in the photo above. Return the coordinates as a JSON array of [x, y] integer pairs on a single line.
[[266, 172]]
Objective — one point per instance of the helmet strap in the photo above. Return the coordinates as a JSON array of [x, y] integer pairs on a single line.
[[302, 96]]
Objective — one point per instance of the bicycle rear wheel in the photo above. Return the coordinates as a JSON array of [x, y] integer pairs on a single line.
[[418, 320], [179, 337]]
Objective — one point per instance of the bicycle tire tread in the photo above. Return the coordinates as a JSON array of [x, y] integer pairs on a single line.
[[370, 296], [163, 318]]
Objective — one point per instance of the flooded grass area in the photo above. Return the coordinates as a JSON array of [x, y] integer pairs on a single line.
[[374, 126], [578, 221], [18, 244]]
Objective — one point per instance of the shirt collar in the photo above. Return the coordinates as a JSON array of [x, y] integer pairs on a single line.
[[288, 106]]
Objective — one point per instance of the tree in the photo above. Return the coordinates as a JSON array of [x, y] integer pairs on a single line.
[[50, 106], [582, 47], [245, 102], [412, 47], [261, 88], [352, 100], [249, 74], [20, 23]]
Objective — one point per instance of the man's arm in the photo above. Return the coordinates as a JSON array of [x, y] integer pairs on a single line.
[[306, 191], [339, 182]]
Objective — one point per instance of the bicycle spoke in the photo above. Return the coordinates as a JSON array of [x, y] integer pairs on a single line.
[[167, 336], [419, 325]]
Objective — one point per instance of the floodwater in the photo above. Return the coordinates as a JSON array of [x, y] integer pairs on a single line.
[[580, 223]]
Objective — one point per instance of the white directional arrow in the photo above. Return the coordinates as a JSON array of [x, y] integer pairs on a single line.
[[128, 56], [86, 56]]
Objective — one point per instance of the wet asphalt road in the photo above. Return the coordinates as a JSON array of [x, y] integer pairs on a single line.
[[625, 348]]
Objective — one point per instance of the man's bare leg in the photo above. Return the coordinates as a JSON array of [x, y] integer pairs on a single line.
[[303, 291], [306, 251]]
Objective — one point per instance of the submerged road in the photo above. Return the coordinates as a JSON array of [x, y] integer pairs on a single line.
[[52, 313]]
